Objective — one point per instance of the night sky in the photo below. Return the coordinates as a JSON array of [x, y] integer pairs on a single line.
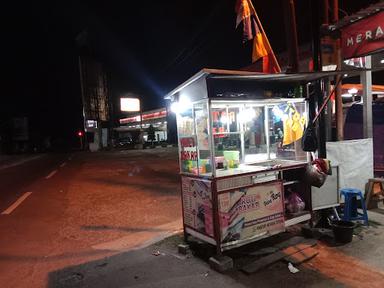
[[148, 47]]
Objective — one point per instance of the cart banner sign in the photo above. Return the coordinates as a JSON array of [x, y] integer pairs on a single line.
[[363, 37], [250, 212], [197, 205], [188, 149]]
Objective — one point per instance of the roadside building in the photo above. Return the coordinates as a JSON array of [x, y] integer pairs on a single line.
[[95, 98], [136, 126]]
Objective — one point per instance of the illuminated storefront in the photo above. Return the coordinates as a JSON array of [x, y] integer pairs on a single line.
[[137, 123]]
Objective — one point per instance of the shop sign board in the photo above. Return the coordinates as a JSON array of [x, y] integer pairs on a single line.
[[328, 53], [129, 104], [197, 205], [249, 212], [363, 37], [188, 149], [188, 155], [91, 124]]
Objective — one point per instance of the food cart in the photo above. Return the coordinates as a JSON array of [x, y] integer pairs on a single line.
[[240, 154]]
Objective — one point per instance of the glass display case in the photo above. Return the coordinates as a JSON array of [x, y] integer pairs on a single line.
[[219, 138], [239, 138]]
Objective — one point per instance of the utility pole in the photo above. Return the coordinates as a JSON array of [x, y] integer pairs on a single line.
[[326, 41], [317, 66], [291, 36], [83, 98], [366, 79], [338, 99]]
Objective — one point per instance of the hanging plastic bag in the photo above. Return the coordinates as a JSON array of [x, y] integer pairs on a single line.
[[295, 203], [309, 140]]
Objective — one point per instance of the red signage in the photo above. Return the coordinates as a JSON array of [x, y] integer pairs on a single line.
[[363, 37], [130, 120], [188, 149], [146, 116], [155, 115]]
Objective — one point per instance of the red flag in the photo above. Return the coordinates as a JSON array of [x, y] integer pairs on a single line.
[[243, 11], [252, 29]]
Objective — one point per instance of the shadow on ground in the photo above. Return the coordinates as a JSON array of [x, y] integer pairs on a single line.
[[160, 265], [117, 228]]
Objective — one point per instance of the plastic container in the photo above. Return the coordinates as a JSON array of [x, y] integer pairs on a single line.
[[231, 155], [232, 159], [343, 230]]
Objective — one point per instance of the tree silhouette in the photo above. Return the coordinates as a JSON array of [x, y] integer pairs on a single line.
[[151, 134]]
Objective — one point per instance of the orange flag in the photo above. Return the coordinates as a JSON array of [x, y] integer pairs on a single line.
[[252, 29], [259, 46]]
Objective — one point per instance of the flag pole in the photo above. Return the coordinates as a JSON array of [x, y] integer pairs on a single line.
[[266, 38]]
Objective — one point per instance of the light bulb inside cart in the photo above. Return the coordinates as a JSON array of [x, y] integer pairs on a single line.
[[224, 119], [182, 105], [279, 114], [247, 115], [175, 107]]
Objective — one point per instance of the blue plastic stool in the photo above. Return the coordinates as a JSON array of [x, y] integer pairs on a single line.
[[350, 208]]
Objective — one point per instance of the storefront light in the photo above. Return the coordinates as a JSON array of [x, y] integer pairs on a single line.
[[352, 91]]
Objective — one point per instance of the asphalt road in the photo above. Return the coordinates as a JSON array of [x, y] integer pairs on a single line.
[[62, 210], [17, 180]]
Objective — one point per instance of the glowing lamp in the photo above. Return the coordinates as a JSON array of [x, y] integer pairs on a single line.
[[352, 91], [182, 105]]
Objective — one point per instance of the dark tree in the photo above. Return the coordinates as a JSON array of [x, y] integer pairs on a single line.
[[151, 134]]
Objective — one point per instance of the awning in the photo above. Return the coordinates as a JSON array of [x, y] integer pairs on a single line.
[[363, 32]]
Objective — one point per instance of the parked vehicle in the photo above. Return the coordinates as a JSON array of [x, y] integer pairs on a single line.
[[126, 142]]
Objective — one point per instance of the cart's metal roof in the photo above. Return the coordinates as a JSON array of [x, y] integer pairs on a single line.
[[257, 77]]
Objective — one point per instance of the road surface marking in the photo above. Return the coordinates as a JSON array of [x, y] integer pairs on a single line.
[[62, 165], [51, 174], [17, 203]]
